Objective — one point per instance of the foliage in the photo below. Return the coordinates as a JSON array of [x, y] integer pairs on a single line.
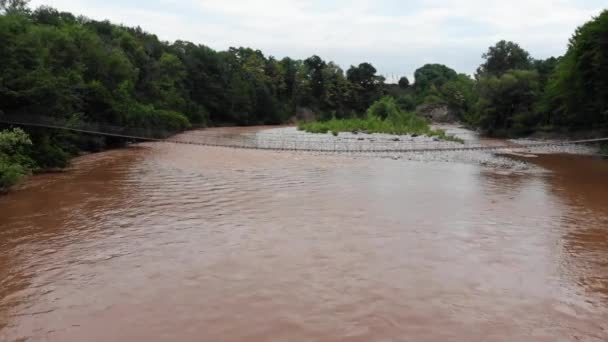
[[577, 90], [545, 67], [406, 103], [14, 160], [13, 6], [366, 86], [569, 92], [404, 82], [383, 116], [57, 65], [438, 84], [506, 103], [431, 77], [460, 94], [502, 57], [384, 109]]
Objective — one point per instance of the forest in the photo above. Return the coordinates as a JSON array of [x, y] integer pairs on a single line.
[[78, 70]]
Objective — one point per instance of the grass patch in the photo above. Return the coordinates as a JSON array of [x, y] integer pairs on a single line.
[[384, 116]]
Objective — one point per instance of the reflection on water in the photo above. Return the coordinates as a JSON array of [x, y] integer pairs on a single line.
[[171, 242]]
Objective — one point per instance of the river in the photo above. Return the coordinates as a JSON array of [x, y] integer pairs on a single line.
[[166, 242]]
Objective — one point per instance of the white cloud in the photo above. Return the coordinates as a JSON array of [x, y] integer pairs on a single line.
[[394, 36]]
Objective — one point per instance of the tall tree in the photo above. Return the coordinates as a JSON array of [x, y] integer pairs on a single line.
[[367, 85], [577, 93], [14, 6], [404, 82], [502, 57], [545, 67], [431, 77], [506, 102], [460, 95], [315, 66]]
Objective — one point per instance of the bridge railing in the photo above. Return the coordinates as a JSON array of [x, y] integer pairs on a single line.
[[77, 124]]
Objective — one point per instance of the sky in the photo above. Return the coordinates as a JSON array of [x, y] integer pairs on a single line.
[[396, 36]]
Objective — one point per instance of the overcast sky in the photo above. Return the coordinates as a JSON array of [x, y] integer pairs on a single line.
[[396, 36]]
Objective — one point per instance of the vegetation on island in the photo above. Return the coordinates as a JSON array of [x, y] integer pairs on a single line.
[[384, 116], [73, 69]]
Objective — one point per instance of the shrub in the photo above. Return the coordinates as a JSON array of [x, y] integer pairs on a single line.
[[14, 160], [383, 108], [406, 103], [48, 153], [145, 120]]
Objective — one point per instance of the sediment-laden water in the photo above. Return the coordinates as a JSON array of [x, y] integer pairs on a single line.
[[166, 242]]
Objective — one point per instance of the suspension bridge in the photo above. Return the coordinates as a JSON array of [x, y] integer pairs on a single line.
[[294, 141]]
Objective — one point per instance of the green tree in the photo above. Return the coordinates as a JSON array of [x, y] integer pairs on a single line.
[[406, 103], [460, 95], [506, 103], [50, 16], [384, 108], [431, 77], [545, 68], [404, 82], [315, 66], [502, 57], [14, 6], [336, 91], [367, 86], [14, 160], [577, 91]]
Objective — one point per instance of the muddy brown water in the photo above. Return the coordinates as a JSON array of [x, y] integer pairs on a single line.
[[163, 242]]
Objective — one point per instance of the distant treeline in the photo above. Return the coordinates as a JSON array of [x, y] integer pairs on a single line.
[[515, 94], [72, 68]]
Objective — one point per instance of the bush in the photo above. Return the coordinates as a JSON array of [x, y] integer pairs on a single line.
[[406, 103], [14, 161], [145, 120], [48, 153], [383, 108], [170, 120], [10, 174]]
